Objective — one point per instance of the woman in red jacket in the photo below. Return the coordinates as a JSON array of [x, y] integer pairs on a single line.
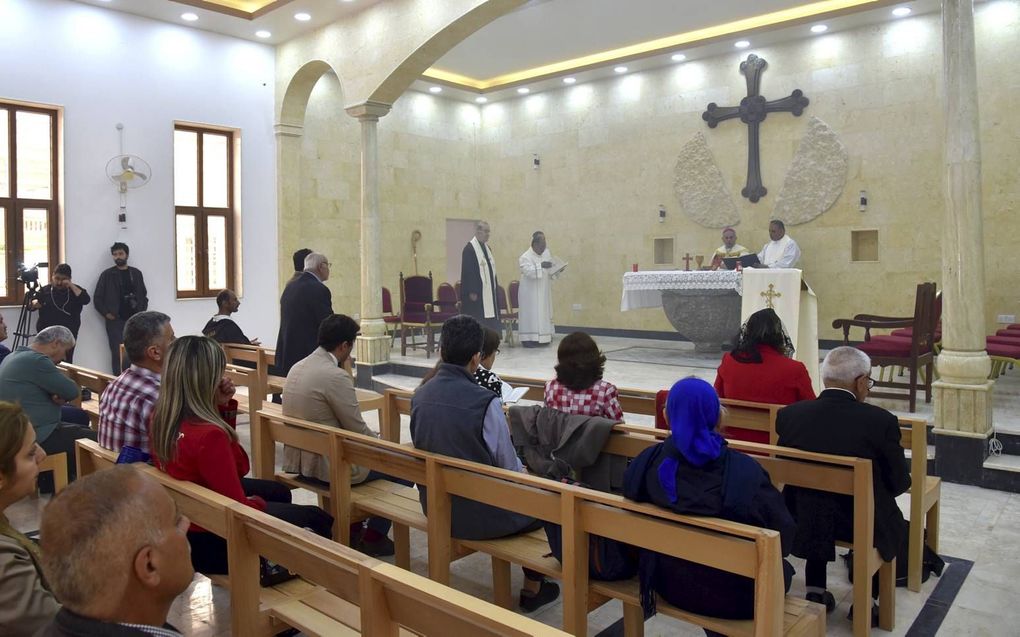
[[760, 369], [193, 439]]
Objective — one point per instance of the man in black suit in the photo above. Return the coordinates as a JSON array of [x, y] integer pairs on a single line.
[[839, 422], [305, 302], [478, 279]]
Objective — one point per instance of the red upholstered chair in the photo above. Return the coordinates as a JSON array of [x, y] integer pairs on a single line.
[[391, 319], [514, 289], [456, 286], [507, 317], [1002, 355], [447, 304], [908, 332], [911, 353], [416, 311]]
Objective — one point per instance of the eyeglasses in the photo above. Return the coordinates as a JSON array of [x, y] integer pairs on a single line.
[[871, 381]]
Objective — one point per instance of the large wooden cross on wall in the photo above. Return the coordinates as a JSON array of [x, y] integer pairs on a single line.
[[752, 111]]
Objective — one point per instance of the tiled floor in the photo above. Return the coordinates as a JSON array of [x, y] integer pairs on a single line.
[[979, 525]]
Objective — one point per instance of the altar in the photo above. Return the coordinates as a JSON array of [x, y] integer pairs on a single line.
[[708, 307]]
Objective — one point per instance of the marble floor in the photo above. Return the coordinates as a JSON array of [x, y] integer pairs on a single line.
[[980, 528]]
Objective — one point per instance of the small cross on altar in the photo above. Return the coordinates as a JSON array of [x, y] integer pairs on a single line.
[[769, 295], [687, 261]]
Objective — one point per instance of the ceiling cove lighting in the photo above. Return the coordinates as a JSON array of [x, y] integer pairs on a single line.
[[569, 80], [189, 17], [678, 57], [435, 89], [819, 28], [523, 90], [481, 99], [741, 44], [620, 69], [901, 12], [302, 17], [263, 34]]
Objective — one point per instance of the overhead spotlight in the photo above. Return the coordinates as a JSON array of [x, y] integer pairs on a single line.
[[819, 28], [435, 89], [620, 69], [263, 34], [481, 99], [569, 80], [741, 44], [302, 17], [678, 57], [189, 17], [524, 90], [901, 12]]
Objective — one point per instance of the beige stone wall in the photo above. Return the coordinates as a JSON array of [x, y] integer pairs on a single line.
[[607, 152]]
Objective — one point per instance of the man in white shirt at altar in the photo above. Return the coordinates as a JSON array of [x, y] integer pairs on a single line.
[[782, 251], [535, 294]]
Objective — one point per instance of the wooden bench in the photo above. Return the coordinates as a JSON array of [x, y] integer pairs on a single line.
[[925, 493], [57, 463], [96, 381], [339, 592], [551, 501], [248, 378]]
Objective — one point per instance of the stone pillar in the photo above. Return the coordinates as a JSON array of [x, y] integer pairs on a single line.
[[288, 186], [963, 393], [373, 346]]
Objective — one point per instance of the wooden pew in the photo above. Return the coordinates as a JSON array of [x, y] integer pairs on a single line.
[[95, 381], [925, 493], [547, 500], [341, 591], [248, 378], [57, 463]]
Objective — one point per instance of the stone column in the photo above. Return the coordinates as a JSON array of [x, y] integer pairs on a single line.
[[373, 346], [963, 394]]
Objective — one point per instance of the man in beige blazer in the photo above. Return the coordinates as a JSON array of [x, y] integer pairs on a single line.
[[320, 388]]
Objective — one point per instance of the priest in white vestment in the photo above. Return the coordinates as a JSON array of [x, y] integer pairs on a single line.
[[782, 251], [535, 294]]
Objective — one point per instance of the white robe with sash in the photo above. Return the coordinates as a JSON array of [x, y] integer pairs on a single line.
[[535, 297], [784, 253]]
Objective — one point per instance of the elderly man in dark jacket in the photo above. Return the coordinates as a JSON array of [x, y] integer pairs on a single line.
[[120, 294], [305, 302]]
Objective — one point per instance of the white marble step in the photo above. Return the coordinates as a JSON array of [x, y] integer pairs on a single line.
[[1003, 463]]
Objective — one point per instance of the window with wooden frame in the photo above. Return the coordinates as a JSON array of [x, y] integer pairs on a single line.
[[29, 202], [203, 210]]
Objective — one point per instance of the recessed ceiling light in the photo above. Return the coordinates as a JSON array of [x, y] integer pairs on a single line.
[[263, 34], [678, 57], [302, 17], [819, 28], [189, 17], [569, 80], [620, 69], [741, 44], [481, 99], [435, 89], [900, 12], [524, 90]]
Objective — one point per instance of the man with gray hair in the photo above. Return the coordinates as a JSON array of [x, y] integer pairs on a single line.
[[115, 553], [29, 376], [305, 303], [126, 405], [840, 422]]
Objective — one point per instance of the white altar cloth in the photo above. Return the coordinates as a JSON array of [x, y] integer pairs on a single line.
[[644, 289]]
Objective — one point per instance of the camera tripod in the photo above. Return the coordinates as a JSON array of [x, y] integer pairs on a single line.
[[23, 330]]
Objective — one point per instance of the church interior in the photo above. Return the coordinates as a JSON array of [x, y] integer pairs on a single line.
[[380, 132]]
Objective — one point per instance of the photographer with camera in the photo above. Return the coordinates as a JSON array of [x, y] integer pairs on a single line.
[[61, 303], [120, 294]]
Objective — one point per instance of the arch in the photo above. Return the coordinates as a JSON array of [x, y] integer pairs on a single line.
[[299, 89]]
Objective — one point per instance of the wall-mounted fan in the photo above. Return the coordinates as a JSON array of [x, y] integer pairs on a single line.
[[127, 171]]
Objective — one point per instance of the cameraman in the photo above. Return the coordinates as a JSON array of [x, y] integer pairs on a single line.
[[61, 303], [120, 294]]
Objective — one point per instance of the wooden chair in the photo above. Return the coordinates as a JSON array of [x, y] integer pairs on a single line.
[[389, 317], [507, 317], [912, 354], [925, 494], [416, 307]]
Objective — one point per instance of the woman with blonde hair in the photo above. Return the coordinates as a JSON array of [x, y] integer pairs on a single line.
[[193, 438], [26, 604]]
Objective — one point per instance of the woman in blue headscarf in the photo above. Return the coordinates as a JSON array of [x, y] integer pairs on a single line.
[[693, 472]]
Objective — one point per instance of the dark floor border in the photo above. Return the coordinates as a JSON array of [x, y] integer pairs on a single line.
[[927, 622]]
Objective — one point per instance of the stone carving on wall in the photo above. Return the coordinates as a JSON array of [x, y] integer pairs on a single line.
[[816, 177], [700, 187]]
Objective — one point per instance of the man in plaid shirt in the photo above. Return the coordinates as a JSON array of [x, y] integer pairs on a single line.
[[125, 407]]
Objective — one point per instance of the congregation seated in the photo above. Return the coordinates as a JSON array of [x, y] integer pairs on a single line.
[[26, 600], [760, 369], [453, 416], [115, 551], [193, 439], [484, 376], [224, 329], [125, 407], [29, 376], [839, 422], [694, 472], [578, 387], [320, 389]]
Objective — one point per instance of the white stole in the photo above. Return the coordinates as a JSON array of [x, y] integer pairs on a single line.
[[488, 307]]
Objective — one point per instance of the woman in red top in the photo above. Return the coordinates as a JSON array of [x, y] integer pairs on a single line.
[[578, 387], [193, 439], [760, 370]]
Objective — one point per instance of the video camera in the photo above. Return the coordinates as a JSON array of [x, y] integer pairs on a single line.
[[30, 274]]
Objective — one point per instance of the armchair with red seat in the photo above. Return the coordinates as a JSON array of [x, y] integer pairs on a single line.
[[912, 350], [417, 311]]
